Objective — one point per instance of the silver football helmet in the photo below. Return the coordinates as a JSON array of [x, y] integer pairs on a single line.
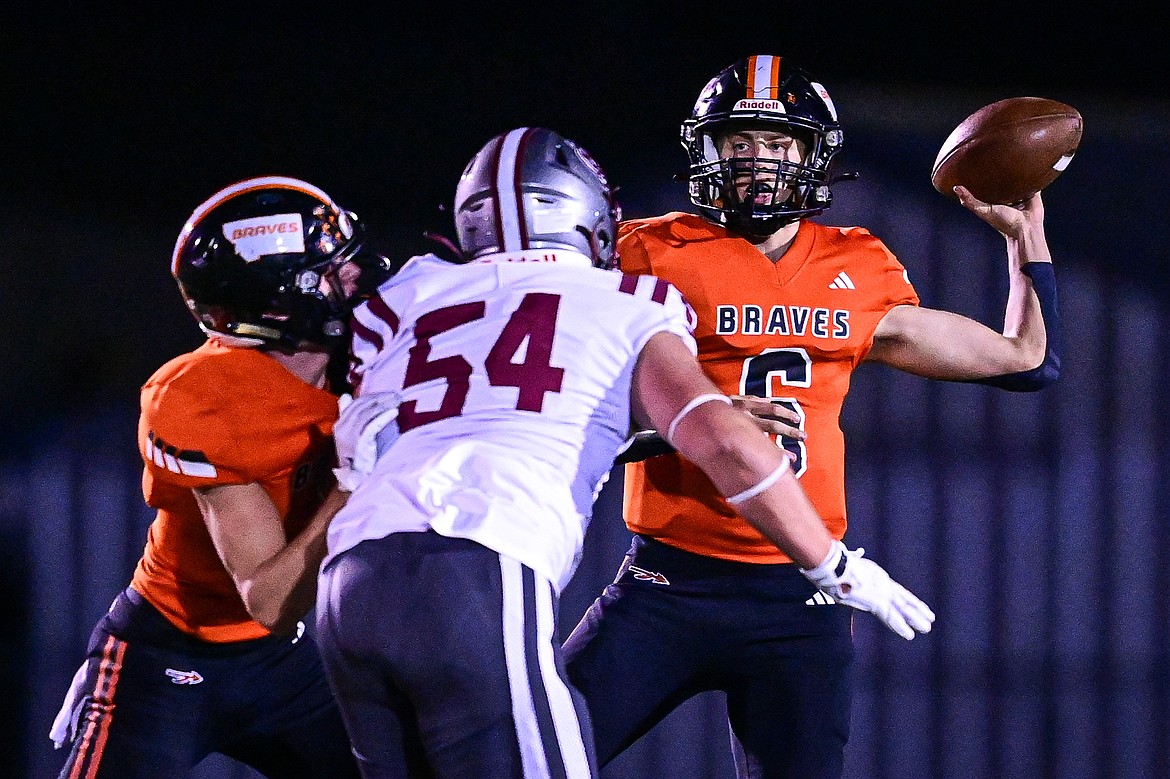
[[530, 189]]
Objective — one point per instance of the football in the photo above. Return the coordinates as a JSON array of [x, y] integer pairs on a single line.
[[1007, 151]]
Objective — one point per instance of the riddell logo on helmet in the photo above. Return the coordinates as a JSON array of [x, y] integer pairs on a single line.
[[759, 105]]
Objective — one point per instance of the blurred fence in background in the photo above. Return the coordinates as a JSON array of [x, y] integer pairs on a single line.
[[1034, 524]]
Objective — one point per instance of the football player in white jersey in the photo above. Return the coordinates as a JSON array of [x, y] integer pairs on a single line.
[[491, 399]]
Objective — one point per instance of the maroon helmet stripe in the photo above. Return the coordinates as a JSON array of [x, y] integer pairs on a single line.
[[518, 188], [494, 183]]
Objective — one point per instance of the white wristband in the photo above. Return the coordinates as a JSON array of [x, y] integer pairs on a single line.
[[689, 407], [827, 572], [762, 485]]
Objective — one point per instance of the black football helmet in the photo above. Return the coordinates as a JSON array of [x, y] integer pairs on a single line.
[[258, 264], [531, 191], [761, 92]]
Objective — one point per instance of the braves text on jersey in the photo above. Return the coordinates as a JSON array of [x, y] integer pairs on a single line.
[[793, 331]]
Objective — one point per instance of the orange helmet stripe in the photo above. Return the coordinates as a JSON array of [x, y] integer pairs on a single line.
[[763, 77]]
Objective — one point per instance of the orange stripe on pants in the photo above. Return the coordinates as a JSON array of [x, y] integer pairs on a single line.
[[100, 715]]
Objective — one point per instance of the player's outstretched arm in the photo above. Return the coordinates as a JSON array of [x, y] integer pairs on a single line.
[[941, 345], [767, 416], [672, 394]]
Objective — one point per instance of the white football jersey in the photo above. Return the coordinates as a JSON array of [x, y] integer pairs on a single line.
[[513, 383]]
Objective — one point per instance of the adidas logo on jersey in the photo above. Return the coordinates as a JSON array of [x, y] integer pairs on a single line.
[[819, 599], [185, 461], [842, 282]]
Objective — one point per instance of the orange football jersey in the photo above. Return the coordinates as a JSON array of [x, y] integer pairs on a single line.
[[223, 415], [793, 331]]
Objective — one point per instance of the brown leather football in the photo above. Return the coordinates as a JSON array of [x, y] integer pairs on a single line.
[[1008, 150]]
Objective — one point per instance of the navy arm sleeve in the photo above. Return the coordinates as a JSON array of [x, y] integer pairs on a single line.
[[1044, 282]]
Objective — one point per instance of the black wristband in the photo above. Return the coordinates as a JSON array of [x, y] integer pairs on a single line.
[[839, 571], [1044, 283]]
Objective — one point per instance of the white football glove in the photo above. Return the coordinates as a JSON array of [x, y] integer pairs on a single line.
[[854, 581], [355, 435]]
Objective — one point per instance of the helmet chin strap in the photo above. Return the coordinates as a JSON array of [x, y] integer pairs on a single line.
[[766, 227], [232, 340]]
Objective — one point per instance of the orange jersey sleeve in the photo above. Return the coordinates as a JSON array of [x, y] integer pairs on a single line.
[[217, 416], [793, 331]]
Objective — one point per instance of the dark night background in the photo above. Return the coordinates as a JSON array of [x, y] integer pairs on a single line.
[[119, 121]]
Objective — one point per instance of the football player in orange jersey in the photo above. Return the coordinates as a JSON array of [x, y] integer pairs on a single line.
[[787, 309], [204, 651]]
